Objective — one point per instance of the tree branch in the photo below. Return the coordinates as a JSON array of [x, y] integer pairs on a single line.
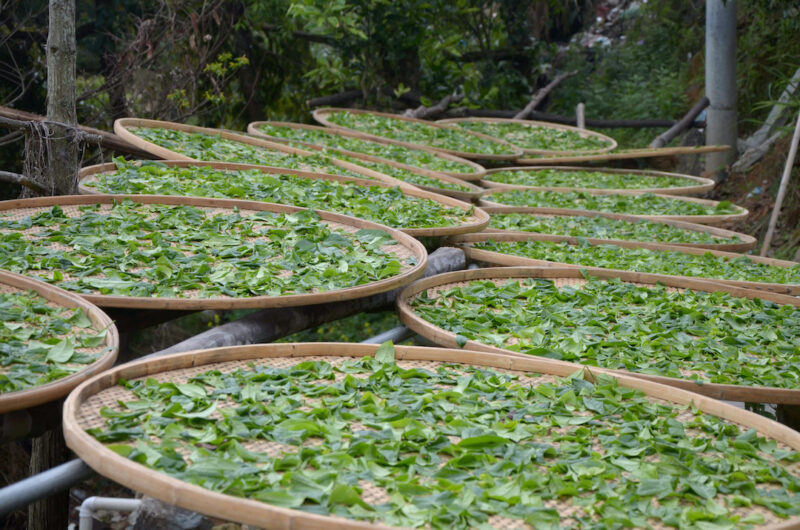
[[18, 119], [335, 100], [542, 93], [685, 122], [423, 112], [22, 180]]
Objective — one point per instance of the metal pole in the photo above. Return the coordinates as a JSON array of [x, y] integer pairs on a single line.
[[721, 126], [59, 478], [398, 334]]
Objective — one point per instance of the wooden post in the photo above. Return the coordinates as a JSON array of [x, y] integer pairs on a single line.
[[47, 451], [50, 450], [580, 115], [63, 145], [787, 171]]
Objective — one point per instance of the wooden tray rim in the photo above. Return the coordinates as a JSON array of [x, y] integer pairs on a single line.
[[121, 129], [39, 395], [196, 498], [747, 241], [480, 222], [253, 128], [292, 300], [547, 125], [730, 392], [703, 184], [628, 154], [320, 114], [700, 219], [498, 258]]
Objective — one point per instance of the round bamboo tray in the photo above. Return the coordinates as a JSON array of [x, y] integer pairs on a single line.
[[474, 223], [572, 276], [321, 115], [702, 185], [122, 126], [471, 192], [585, 133], [82, 411], [746, 242], [714, 220], [496, 258], [479, 170], [625, 154], [56, 297], [407, 248]]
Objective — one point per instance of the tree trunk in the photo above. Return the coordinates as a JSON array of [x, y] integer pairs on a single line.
[[47, 451], [62, 152]]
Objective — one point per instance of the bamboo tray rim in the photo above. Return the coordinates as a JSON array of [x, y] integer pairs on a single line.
[[730, 392], [135, 302], [747, 241], [253, 128], [499, 258], [122, 125], [471, 192], [702, 185], [701, 219], [628, 154], [321, 113], [480, 221], [39, 395], [186, 495], [612, 144]]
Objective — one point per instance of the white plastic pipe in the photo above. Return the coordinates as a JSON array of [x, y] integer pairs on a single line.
[[92, 504]]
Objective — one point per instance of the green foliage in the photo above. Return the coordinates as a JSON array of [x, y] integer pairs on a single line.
[[538, 138], [646, 260], [708, 337], [563, 178], [428, 442], [602, 228], [646, 204], [183, 251], [388, 206], [419, 133], [42, 343]]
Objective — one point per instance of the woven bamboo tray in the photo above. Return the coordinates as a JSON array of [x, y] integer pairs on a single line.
[[407, 247], [56, 297], [476, 222], [702, 185], [122, 127], [714, 220], [625, 154], [612, 144], [321, 115], [496, 258], [82, 411], [573, 276], [471, 193], [746, 242], [253, 128]]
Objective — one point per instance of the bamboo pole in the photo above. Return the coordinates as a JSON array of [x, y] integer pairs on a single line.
[[787, 171]]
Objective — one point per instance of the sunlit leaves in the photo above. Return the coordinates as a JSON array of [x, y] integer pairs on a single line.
[[603, 228], [563, 178], [181, 251], [450, 447]]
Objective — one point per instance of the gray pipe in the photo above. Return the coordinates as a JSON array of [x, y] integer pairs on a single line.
[[398, 334], [43, 485]]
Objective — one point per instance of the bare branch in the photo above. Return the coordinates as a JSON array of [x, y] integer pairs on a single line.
[[22, 180], [685, 122], [423, 112], [542, 93]]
